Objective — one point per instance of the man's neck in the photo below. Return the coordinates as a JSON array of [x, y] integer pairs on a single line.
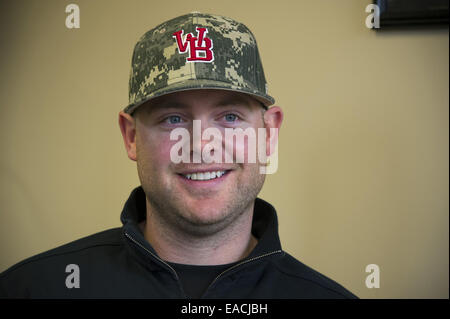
[[227, 246]]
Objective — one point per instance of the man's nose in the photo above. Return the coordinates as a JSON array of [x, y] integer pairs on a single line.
[[199, 140]]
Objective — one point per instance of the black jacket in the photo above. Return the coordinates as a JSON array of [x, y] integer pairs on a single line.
[[120, 263]]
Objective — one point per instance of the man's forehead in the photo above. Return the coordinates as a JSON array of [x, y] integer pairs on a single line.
[[192, 98]]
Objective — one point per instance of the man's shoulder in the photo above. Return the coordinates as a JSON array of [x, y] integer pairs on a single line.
[[304, 280], [110, 237], [49, 263]]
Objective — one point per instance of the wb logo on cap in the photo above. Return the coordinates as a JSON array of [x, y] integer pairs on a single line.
[[189, 44]]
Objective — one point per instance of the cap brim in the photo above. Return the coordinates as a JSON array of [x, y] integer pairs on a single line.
[[194, 84]]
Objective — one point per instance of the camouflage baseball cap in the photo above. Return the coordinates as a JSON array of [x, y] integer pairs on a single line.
[[196, 51]]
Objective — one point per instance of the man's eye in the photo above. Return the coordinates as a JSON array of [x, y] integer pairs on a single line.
[[173, 119], [231, 117]]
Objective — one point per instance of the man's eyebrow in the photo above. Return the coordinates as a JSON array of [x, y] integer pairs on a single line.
[[234, 101], [166, 104], [175, 104]]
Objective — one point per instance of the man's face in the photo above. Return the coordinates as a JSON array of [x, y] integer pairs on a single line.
[[201, 207]]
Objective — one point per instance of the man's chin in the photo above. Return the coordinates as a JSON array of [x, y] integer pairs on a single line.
[[205, 212]]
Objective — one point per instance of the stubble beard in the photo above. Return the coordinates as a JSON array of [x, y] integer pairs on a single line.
[[168, 208]]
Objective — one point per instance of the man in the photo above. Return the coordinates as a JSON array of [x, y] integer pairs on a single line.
[[195, 227]]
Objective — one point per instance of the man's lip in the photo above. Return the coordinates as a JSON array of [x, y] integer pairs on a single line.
[[203, 170]]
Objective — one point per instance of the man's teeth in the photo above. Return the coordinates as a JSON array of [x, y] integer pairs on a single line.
[[204, 176]]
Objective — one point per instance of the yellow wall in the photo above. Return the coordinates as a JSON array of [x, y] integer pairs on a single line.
[[363, 157]]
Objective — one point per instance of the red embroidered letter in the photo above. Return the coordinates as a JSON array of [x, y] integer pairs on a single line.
[[203, 45], [179, 36]]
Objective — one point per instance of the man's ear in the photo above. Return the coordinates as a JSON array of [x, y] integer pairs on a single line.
[[128, 128], [273, 118]]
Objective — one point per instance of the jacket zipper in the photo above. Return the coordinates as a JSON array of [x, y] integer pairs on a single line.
[[155, 256], [218, 276], [240, 264]]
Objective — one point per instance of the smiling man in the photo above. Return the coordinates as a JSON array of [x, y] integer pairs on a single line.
[[196, 213], [194, 228]]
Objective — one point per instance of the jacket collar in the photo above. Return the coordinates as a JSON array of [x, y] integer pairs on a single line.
[[264, 224]]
